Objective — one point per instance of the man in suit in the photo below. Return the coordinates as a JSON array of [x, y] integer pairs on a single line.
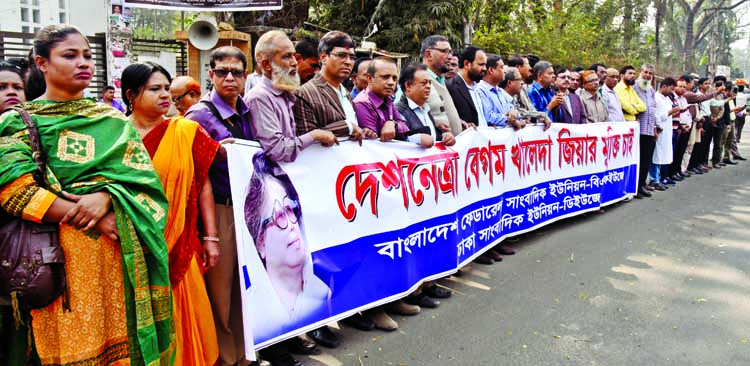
[[417, 86], [464, 88], [571, 110]]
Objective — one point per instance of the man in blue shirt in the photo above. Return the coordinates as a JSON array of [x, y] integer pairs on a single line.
[[489, 92], [541, 93]]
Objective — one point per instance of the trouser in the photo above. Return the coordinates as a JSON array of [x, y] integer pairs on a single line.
[[728, 142], [223, 288], [647, 154], [720, 137], [701, 149], [739, 123], [654, 173], [682, 139]]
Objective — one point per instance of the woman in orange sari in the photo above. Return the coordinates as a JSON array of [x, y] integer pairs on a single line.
[[181, 152]]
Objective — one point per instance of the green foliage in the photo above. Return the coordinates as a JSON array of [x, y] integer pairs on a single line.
[[158, 24], [579, 34], [402, 24]]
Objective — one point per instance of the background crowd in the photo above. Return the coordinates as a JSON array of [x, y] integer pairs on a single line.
[[144, 201]]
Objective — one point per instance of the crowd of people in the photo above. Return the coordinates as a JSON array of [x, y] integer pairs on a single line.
[[144, 203]]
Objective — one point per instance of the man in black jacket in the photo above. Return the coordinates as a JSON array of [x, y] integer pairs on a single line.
[[464, 88], [416, 84]]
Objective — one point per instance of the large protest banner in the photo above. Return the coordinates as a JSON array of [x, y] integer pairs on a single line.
[[346, 228], [207, 5]]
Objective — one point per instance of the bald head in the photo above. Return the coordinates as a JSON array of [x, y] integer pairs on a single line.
[[613, 77], [185, 92]]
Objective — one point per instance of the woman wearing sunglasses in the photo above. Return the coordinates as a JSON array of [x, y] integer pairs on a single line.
[[274, 219]]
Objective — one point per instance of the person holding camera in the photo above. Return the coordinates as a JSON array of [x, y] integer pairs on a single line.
[[571, 110]]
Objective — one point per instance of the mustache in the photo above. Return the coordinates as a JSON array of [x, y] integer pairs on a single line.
[[284, 78]]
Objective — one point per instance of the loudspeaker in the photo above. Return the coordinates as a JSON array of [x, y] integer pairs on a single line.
[[203, 33]]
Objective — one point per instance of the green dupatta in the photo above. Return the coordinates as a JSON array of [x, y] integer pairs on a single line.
[[91, 147]]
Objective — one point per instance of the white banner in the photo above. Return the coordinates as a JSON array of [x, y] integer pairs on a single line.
[[346, 228], [207, 5]]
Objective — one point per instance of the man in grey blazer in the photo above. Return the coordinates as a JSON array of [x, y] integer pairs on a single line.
[[436, 53]]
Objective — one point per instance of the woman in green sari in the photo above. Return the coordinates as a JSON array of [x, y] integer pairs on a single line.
[[104, 192]]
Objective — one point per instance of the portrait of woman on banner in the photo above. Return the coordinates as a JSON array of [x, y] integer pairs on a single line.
[[274, 219]]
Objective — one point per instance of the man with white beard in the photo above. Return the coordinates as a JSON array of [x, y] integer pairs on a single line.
[[272, 99]]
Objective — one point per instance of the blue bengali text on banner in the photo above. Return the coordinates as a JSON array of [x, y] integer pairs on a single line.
[[374, 221]]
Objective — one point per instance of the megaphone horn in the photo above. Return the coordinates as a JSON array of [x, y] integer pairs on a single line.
[[203, 33]]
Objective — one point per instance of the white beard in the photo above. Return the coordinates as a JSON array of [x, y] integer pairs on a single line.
[[282, 80]]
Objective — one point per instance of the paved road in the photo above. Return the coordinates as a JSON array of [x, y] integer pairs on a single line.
[[661, 281]]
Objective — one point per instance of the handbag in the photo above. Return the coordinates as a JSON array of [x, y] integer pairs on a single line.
[[32, 263]]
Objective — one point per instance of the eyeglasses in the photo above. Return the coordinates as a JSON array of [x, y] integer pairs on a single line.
[[283, 213], [647, 72], [592, 80], [222, 73], [350, 56], [443, 50], [177, 99]]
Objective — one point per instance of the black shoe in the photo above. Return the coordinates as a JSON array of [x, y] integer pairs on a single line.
[[727, 161], [738, 157], [437, 292], [722, 164], [716, 165], [324, 337], [277, 355], [457, 274], [676, 178], [696, 171], [359, 321], [422, 301], [482, 259], [644, 193], [260, 363], [659, 187], [301, 346], [686, 174], [504, 250]]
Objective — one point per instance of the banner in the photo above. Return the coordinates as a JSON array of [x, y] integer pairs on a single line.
[[207, 5], [345, 228]]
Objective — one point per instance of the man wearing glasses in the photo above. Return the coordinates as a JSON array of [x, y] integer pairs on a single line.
[[436, 54], [185, 92], [323, 103], [593, 104], [571, 110], [224, 115], [614, 108]]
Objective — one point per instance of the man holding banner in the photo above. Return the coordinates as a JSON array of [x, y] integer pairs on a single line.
[[224, 115], [273, 126]]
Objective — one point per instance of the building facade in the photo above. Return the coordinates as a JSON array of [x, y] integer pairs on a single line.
[[29, 16]]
